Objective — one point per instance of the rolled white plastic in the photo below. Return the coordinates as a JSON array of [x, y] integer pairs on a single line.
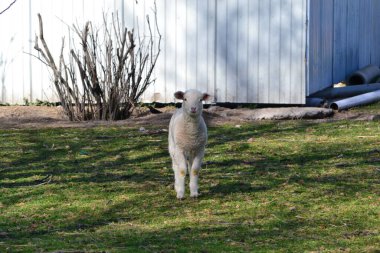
[[363, 99]]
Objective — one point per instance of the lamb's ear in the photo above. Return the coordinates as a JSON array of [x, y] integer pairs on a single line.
[[179, 95], [205, 96]]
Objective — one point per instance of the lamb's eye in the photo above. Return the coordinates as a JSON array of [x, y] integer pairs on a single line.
[[185, 99], [200, 100]]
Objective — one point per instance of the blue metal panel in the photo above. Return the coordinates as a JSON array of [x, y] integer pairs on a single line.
[[327, 18], [353, 16], [320, 44], [355, 37], [375, 32], [340, 40], [313, 47], [365, 33]]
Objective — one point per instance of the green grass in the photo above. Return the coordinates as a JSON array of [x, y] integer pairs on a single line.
[[371, 108], [288, 186]]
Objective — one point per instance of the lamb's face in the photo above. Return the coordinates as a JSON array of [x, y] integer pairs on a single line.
[[192, 101]]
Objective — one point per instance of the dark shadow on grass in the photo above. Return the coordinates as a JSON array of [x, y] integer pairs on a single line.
[[271, 169], [64, 164], [55, 162], [213, 236], [236, 187], [142, 169]]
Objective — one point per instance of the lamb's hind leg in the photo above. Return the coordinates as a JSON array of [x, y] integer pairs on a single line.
[[194, 173]]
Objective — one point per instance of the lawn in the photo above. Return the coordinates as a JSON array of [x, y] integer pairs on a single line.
[[279, 186]]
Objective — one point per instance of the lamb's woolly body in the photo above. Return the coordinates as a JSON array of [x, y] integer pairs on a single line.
[[187, 140], [189, 135]]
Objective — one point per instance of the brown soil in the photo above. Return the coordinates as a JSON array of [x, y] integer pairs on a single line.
[[17, 117]]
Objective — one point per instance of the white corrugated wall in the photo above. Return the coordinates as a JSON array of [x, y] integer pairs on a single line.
[[237, 50]]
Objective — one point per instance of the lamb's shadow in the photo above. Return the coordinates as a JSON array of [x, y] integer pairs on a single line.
[[236, 187]]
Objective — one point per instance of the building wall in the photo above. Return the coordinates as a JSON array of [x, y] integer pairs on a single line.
[[343, 37], [260, 56], [23, 76], [237, 50]]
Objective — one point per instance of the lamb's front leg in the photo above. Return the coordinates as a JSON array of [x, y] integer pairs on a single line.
[[180, 168], [194, 173]]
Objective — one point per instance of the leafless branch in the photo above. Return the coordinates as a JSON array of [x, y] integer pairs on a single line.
[[9, 6], [37, 57], [114, 67]]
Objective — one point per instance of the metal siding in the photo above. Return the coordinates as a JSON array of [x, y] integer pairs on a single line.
[[202, 29], [231, 50], [170, 48], [253, 35], [142, 31], [305, 37], [352, 51], [263, 51], [211, 46], [285, 52], [221, 49], [375, 33], [340, 40], [161, 65], [327, 30], [298, 48], [274, 50], [313, 47], [239, 57], [254, 52], [181, 44], [242, 54], [364, 35], [12, 46], [321, 44], [191, 38], [352, 26], [168, 18]]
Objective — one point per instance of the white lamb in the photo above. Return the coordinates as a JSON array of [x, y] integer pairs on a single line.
[[187, 140]]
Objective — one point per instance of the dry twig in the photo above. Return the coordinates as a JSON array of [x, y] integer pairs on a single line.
[[113, 74]]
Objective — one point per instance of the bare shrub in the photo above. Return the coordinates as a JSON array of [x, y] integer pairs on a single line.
[[105, 78]]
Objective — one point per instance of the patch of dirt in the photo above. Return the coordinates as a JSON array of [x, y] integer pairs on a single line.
[[355, 115], [21, 117], [17, 117]]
